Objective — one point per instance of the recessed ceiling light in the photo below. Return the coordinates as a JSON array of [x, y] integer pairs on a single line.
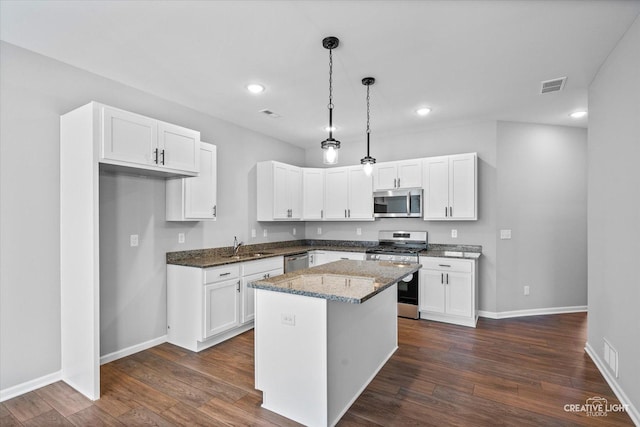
[[332, 128], [423, 111], [255, 88], [578, 114]]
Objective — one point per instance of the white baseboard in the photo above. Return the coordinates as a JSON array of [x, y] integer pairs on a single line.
[[131, 350], [26, 387], [532, 312], [620, 394]]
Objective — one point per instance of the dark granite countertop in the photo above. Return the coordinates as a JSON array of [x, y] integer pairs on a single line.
[[345, 280], [213, 257]]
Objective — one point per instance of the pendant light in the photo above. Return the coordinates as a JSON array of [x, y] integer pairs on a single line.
[[368, 161], [330, 146]]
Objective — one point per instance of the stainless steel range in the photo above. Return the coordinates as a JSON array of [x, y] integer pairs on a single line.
[[402, 246]]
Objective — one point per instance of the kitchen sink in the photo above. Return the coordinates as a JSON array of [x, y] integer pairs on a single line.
[[249, 255]]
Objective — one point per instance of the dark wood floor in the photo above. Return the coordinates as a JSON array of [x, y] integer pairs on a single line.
[[515, 372]]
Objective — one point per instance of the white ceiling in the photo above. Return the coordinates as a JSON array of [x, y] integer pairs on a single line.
[[467, 60]]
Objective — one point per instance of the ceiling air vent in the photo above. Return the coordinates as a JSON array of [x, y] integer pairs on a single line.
[[554, 85], [270, 113]]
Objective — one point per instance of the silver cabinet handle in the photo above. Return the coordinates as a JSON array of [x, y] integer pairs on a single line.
[[238, 286], [162, 154], [155, 154], [447, 278], [224, 274], [398, 182], [442, 278], [310, 259], [345, 213], [445, 211], [394, 182], [215, 210], [450, 211], [444, 265], [349, 210], [321, 213]]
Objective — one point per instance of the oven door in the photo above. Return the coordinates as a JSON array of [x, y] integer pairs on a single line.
[[408, 296]]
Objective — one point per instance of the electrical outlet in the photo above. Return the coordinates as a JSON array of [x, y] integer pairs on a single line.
[[294, 231], [180, 237], [253, 233], [264, 233], [526, 290], [505, 234], [359, 231], [133, 240], [319, 230], [454, 234], [288, 319]]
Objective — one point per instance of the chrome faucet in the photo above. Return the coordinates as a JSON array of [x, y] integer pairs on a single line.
[[236, 246]]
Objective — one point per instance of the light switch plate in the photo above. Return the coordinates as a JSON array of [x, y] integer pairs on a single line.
[[180, 237], [359, 231], [133, 240], [454, 234], [505, 234], [319, 230], [253, 233], [294, 231], [264, 233], [288, 319]]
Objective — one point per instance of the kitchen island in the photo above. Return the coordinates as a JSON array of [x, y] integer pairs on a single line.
[[322, 334]]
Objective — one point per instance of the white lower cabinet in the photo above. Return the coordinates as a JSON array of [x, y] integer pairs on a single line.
[[448, 290], [323, 257], [252, 271], [206, 306]]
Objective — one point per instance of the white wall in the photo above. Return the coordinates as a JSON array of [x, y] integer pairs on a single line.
[[542, 198], [35, 91], [614, 210]]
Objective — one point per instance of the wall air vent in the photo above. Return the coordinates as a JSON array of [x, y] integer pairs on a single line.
[[270, 113], [554, 85]]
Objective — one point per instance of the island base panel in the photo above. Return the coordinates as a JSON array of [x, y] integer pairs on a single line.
[[315, 356]]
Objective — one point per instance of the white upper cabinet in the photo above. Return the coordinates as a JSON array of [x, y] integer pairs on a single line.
[[312, 194], [279, 188], [194, 199], [450, 187], [348, 194], [401, 174], [135, 141]]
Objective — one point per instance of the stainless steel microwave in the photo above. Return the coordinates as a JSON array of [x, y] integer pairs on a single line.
[[406, 203]]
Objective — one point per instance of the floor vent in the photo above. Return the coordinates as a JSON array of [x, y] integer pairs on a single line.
[[554, 85], [270, 113]]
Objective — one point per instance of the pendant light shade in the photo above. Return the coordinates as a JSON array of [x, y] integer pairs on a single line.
[[368, 161], [330, 146]]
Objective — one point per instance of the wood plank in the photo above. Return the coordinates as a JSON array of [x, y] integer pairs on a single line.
[[27, 406], [64, 399], [50, 418], [93, 416]]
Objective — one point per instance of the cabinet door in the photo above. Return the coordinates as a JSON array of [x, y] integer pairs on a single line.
[[410, 174], [462, 186], [312, 193], [280, 191], [436, 188], [248, 294], [294, 181], [221, 307], [432, 291], [128, 137], [179, 147], [200, 191], [336, 193], [360, 195], [385, 176], [459, 294]]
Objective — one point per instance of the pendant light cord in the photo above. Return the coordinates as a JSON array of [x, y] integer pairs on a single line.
[[330, 106], [368, 121]]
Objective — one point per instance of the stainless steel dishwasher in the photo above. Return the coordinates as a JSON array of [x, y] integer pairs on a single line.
[[296, 262]]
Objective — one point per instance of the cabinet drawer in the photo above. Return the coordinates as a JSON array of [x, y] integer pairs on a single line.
[[447, 264], [217, 274], [262, 265]]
